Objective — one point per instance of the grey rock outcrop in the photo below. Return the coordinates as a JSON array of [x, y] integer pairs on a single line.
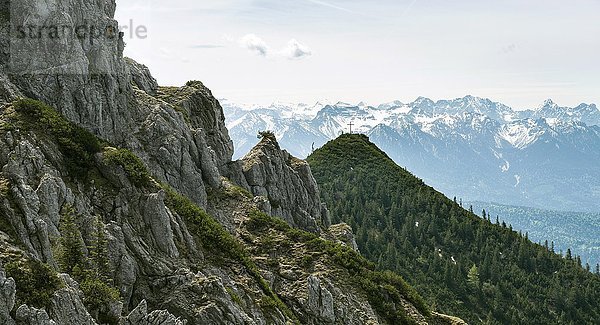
[[67, 307], [7, 297], [204, 113], [8, 91], [140, 316], [320, 300], [343, 234], [180, 134], [82, 75], [30, 315], [141, 76], [287, 183]]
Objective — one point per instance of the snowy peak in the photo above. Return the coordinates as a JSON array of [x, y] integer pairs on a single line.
[[585, 113], [422, 104], [548, 104], [470, 104], [390, 105], [342, 104], [469, 119]]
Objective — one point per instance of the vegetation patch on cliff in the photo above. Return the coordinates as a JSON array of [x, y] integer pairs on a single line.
[[221, 244], [384, 290], [77, 145], [133, 166], [93, 271], [36, 282]]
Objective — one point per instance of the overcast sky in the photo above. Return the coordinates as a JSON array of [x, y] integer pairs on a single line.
[[259, 51]]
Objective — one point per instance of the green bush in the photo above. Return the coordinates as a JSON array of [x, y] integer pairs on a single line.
[[133, 166], [229, 191], [77, 145], [98, 296], [97, 293], [236, 192], [35, 281], [211, 233], [234, 296], [92, 272]]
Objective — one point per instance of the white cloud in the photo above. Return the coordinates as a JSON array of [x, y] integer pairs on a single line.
[[255, 44], [293, 50]]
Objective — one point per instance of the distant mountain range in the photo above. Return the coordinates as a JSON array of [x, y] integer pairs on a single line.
[[470, 147]]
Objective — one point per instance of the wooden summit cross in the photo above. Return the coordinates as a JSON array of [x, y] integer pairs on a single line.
[[350, 124]]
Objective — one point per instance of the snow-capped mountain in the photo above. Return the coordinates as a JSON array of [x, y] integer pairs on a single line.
[[586, 113], [468, 147]]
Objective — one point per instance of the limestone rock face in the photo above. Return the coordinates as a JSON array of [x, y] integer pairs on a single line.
[[204, 113], [30, 315], [140, 316], [180, 148], [7, 298], [8, 91], [141, 76], [320, 300], [81, 74], [68, 307], [287, 183], [151, 250], [180, 133]]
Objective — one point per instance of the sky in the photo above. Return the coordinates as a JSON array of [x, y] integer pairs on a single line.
[[262, 51]]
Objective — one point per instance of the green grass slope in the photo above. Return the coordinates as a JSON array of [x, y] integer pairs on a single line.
[[463, 265]]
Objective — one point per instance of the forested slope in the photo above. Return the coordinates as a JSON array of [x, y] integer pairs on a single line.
[[476, 269]]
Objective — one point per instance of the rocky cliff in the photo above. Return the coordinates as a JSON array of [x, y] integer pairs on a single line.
[[286, 182], [119, 202]]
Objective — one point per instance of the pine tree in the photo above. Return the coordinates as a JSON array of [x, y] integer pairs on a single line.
[[569, 256], [473, 276], [99, 253], [71, 252], [598, 269]]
